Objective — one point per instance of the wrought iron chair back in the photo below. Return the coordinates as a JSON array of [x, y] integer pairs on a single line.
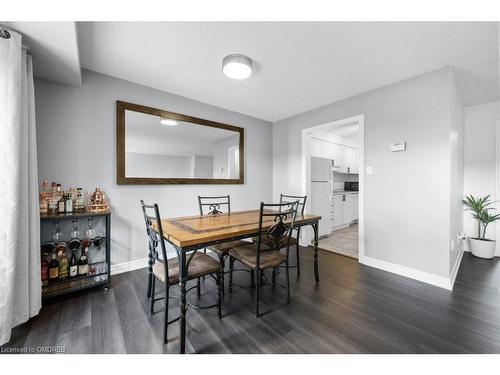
[[155, 236], [214, 205], [283, 215], [301, 199]]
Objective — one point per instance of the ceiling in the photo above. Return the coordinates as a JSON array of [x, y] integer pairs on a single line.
[[350, 131], [54, 47], [297, 66]]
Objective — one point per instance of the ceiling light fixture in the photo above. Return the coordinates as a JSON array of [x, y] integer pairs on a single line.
[[237, 66], [168, 121]]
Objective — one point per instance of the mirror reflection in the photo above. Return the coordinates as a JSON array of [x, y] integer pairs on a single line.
[[162, 147]]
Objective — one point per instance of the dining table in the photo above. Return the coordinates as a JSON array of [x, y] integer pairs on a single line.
[[191, 233]]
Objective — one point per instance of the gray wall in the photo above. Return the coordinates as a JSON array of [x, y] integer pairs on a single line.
[[76, 146], [480, 158], [407, 201], [221, 156], [154, 165]]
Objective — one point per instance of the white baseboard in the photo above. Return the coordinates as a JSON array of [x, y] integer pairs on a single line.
[[129, 266], [429, 278], [455, 269]]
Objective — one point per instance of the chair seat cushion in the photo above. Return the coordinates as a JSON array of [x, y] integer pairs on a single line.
[[248, 256], [223, 248], [200, 265], [283, 241]]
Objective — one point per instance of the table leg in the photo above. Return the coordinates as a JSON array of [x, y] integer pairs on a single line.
[[316, 271], [183, 306]]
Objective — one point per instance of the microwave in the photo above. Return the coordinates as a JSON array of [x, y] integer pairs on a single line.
[[351, 186]]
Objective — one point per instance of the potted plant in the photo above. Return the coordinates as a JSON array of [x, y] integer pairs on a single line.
[[480, 209]]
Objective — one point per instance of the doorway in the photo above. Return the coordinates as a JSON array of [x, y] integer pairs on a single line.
[[333, 180]]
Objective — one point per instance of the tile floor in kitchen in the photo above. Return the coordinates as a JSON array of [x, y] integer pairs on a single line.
[[343, 241]]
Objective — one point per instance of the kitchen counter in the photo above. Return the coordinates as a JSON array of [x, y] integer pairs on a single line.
[[345, 192]]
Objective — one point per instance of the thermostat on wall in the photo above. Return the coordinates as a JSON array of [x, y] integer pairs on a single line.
[[400, 146]]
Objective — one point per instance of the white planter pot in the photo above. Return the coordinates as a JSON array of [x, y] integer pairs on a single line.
[[482, 248]]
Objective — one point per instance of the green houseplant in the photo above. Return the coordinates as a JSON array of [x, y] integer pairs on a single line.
[[480, 209]]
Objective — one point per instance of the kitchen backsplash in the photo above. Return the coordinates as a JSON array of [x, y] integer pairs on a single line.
[[340, 178]]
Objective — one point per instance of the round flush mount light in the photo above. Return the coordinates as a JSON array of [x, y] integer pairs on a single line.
[[168, 121], [237, 66]]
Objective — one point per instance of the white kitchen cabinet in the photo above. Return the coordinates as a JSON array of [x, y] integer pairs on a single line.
[[351, 208], [345, 209], [338, 210], [349, 160]]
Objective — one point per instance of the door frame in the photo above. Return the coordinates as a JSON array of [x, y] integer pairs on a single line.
[[497, 186], [307, 235]]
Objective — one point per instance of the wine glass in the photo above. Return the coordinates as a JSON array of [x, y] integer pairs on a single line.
[[56, 232], [90, 232], [75, 232]]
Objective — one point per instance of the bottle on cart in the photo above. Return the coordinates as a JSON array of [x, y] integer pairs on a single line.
[[53, 199], [83, 263], [63, 264], [45, 269], [73, 264], [69, 203], [53, 268], [79, 201], [60, 205]]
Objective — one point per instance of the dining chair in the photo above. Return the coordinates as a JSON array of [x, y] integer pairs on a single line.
[[167, 270], [215, 206], [294, 239], [265, 253]]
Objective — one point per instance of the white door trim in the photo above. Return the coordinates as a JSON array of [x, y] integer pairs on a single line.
[[306, 174], [497, 187]]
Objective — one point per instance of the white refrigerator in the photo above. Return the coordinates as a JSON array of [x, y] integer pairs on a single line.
[[321, 193]]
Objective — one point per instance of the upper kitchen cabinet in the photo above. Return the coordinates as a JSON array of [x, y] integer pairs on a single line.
[[345, 158]]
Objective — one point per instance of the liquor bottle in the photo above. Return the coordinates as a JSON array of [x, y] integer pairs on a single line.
[[69, 203], [53, 268], [43, 197], [53, 199], [63, 264], [60, 204], [58, 190], [43, 205], [83, 263], [79, 201], [45, 270], [73, 265]]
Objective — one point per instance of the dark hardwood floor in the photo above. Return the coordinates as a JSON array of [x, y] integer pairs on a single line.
[[355, 309]]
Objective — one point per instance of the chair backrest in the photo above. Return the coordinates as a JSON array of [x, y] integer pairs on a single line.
[[283, 217], [155, 235], [295, 198], [214, 205]]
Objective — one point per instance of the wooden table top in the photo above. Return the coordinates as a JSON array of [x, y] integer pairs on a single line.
[[198, 230]]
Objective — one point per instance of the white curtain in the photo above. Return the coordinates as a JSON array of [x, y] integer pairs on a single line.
[[20, 284]]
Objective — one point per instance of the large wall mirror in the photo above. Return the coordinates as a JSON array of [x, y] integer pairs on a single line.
[[155, 146]]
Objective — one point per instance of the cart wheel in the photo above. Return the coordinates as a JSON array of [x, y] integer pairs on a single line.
[[106, 288]]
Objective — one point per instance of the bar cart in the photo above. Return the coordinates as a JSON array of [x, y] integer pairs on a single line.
[[99, 273]]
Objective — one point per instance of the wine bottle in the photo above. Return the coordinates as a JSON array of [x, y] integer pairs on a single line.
[[63, 265], [53, 268], [45, 270], [73, 265], [83, 263]]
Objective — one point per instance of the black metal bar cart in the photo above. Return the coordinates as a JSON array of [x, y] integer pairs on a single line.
[[99, 272]]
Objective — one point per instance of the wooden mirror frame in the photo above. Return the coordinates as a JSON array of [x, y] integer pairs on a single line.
[[121, 178]]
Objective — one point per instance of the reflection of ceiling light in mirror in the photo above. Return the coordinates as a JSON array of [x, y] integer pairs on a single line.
[[168, 121], [237, 66]]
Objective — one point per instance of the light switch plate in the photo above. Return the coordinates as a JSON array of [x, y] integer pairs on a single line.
[[399, 146], [369, 171]]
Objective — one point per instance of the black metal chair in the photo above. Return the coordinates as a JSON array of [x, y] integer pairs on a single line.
[[265, 253], [294, 240], [212, 206], [167, 270]]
